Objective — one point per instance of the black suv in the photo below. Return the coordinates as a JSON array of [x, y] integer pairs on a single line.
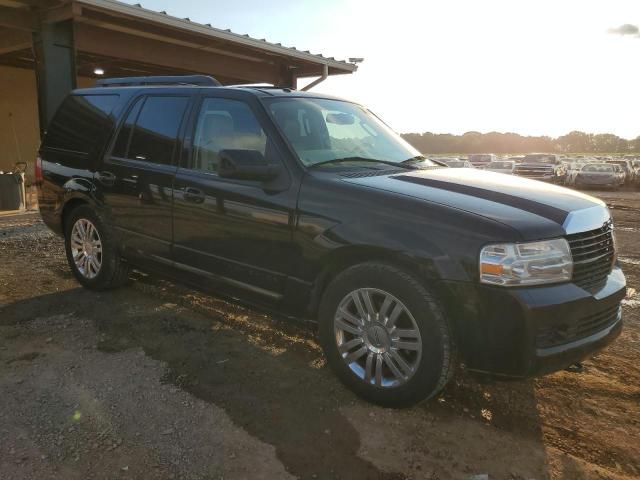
[[313, 207]]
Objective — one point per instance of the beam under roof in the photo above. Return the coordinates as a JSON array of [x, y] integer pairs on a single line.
[[187, 26]]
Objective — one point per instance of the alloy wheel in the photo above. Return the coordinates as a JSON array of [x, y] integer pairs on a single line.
[[86, 248], [377, 337]]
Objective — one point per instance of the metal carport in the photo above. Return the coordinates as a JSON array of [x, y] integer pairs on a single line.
[[48, 47]]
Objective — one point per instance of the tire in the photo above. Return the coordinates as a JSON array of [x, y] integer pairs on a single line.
[[97, 247], [418, 375]]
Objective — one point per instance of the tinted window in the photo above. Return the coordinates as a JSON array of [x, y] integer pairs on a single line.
[[122, 142], [225, 124], [83, 123], [156, 129]]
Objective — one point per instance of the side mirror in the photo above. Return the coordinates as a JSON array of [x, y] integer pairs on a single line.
[[245, 165]]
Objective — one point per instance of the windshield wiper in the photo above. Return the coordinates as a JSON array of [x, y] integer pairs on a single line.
[[417, 158], [362, 159], [420, 159]]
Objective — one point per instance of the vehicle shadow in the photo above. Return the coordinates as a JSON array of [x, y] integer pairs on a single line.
[[270, 377]]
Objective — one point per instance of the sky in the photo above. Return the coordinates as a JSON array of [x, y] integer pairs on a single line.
[[534, 67]]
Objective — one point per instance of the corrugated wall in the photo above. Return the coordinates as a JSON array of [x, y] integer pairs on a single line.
[[19, 132]]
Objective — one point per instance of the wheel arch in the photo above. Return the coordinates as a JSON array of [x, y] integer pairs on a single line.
[[339, 260], [69, 206]]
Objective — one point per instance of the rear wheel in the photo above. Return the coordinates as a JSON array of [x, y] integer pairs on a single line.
[[91, 251], [385, 335]]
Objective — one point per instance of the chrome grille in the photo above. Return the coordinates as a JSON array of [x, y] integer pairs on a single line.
[[565, 332], [533, 171], [593, 254]]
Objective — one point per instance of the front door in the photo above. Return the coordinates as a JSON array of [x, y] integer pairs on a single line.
[[239, 231], [137, 176]]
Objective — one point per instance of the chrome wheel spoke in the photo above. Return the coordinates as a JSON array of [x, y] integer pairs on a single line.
[[82, 263], [379, 370], [405, 333], [395, 314], [368, 305], [94, 264], [400, 345], [347, 327], [358, 303], [356, 354], [89, 232], [392, 366], [368, 369], [384, 308], [401, 362], [348, 346], [344, 313]]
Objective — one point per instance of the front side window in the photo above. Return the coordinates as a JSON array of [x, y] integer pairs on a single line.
[[322, 130], [150, 131], [225, 124]]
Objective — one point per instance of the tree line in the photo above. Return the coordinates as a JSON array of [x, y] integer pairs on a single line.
[[495, 142]]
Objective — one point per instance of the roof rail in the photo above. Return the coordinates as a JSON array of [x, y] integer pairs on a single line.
[[200, 80], [260, 86]]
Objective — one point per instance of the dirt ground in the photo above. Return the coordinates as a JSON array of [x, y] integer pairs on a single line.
[[155, 381]]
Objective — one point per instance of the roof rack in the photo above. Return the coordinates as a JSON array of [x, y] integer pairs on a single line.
[[260, 86], [199, 80]]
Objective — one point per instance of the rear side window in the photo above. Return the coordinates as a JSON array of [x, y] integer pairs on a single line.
[[82, 124], [122, 142], [151, 129]]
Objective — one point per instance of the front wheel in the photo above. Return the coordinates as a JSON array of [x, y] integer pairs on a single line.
[[385, 335]]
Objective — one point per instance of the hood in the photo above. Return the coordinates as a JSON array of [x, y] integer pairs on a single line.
[[536, 209]]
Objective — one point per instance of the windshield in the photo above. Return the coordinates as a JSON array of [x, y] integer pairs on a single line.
[[598, 168], [322, 130]]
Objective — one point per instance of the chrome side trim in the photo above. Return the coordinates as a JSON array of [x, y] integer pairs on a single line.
[[587, 219]]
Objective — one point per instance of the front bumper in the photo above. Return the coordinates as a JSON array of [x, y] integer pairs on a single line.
[[524, 332]]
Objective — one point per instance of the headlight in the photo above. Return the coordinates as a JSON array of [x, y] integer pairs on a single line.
[[534, 263]]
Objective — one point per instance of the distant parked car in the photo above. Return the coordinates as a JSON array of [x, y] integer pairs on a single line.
[[516, 158], [542, 166], [459, 164], [574, 168], [629, 172], [501, 166], [600, 175], [636, 168], [481, 160]]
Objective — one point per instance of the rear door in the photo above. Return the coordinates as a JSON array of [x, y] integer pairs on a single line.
[[238, 231], [137, 176]]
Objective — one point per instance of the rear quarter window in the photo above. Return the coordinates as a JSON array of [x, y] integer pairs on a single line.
[[82, 124]]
